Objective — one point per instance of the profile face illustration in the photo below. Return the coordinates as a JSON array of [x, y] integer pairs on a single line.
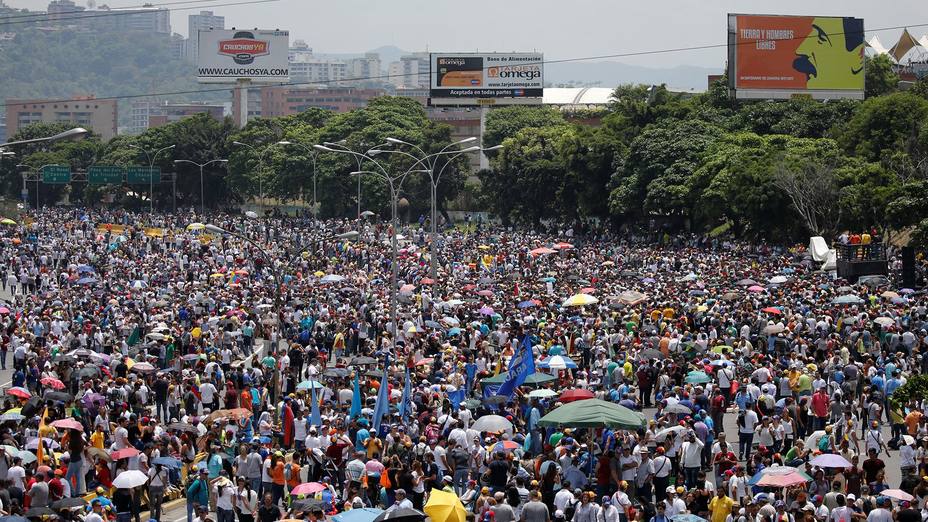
[[832, 55]]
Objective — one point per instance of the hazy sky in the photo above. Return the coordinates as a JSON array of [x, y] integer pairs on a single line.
[[559, 28]]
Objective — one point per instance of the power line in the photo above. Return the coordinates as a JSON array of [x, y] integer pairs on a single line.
[[66, 17], [419, 74]]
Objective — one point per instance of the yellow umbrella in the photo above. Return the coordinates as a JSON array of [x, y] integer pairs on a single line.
[[445, 507], [7, 221], [319, 273], [580, 300], [129, 363], [196, 226], [14, 410], [217, 274], [483, 247]]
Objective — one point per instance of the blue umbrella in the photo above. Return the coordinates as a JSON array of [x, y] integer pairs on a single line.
[[358, 515], [526, 304], [547, 280], [84, 268], [454, 331], [86, 281], [167, 462], [687, 517], [305, 385]]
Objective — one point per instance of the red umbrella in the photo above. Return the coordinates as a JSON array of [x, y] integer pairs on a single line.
[[576, 394], [16, 391], [541, 251], [587, 290], [468, 287], [124, 453], [421, 362], [772, 310], [563, 246], [69, 424], [51, 382]]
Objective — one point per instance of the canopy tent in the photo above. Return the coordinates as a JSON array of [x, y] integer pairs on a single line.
[[594, 413]]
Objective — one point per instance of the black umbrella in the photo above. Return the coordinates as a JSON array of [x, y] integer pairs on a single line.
[[13, 518], [336, 372], [39, 512], [69, 502], [650, 353], [677, 408], [58, 396], [363, 360], [88, 371], [401, 515], [305, 504]]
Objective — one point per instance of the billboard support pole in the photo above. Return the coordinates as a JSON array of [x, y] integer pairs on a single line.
[[241, 90], [484, 161]]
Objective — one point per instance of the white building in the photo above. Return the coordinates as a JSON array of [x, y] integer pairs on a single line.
[[197, 22], [306, 68], [366, 70], [412, 71]]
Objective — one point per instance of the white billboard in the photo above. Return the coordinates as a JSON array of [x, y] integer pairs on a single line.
[[486, 78], [226, 56]]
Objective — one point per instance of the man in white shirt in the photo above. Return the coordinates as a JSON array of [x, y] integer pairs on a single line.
[[208, 395], [738, 487], [17, 474]]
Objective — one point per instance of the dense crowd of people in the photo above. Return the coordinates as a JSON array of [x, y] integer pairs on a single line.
[[260, 375]]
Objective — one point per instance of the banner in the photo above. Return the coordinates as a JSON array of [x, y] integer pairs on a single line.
[[821, 56], [491, 78], [521, 366]]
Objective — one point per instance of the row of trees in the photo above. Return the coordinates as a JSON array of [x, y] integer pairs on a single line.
[[264, 167], [777, 170]]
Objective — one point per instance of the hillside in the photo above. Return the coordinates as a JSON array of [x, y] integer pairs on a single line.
[[39, 64]]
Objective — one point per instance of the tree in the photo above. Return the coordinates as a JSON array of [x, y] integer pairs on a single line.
[[880, 79], [590, 155], [813, 190], [887, 124], [527, 182], [506, 122]]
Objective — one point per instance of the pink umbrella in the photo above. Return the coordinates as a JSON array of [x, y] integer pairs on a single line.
[[308, 488], [486, 293], [4, 310], [588, 290], [69, 424], [486, 310], [755, 288], [897, 494], [407, 289], [541, 251], [781, 481], [51, 382], [124, 453], [830, 460], [22, 393]]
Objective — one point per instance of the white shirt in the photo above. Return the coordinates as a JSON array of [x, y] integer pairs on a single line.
[[17, 474]]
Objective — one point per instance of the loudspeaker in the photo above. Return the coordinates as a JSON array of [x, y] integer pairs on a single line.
[[908, 267]]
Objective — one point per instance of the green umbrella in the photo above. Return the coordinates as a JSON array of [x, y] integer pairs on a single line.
[[593, 413], [697, 377], [533, 379]]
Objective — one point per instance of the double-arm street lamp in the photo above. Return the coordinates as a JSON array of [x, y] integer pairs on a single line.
[[261, 157], [201, 165], [312, 156], [152, 155], [430, 160], [395, 184]]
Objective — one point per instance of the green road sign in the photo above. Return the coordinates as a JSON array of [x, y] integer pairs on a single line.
[[140, 176], [104, 175], [56, 174]]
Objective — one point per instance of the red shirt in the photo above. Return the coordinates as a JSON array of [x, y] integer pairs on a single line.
[[820, 404]]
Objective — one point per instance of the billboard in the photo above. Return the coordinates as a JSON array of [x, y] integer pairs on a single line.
[[486, 79], [776, 57], [226, 56]]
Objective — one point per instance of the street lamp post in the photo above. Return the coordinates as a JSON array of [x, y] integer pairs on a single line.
[[278, 280], [312, 156], [151, 178], [395, 183], [434, 179], [70, 134], [201, 165], [261, 156], [38, 178], [340, 146]]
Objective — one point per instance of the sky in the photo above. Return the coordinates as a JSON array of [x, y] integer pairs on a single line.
[[562, 29]]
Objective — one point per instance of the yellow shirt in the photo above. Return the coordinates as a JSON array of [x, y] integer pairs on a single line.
[[720, 507], [96, 439]]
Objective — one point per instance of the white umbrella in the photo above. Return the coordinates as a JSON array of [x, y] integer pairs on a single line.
[[332, 278], [130, 479], [778, 280], [662, 434], [492, 424], [884, 321], [543, 393], [774, 329]]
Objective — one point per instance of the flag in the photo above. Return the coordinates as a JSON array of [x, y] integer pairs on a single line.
[[40, 450], [499, 365], [470, 369], [516, 289], [134, 337], [406, 401], [315, 418], [456, 397], [521, 366], [383, 398], [355, 410]]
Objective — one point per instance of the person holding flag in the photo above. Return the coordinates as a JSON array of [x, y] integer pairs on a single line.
[[521, 365]]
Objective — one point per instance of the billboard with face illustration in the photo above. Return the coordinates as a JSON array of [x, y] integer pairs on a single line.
[[785, 56]]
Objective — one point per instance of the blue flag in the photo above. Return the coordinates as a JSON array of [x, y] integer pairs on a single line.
[[315, 418], [456, 397], [521, 366], [406, 401], [383, 398], [355, 410], [470, 369]]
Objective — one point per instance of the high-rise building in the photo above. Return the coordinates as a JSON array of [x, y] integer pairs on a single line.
[[299, 48], [306, 68], [178, 46], [197, 22], [365, 71], [98, 116], [410, 72]]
